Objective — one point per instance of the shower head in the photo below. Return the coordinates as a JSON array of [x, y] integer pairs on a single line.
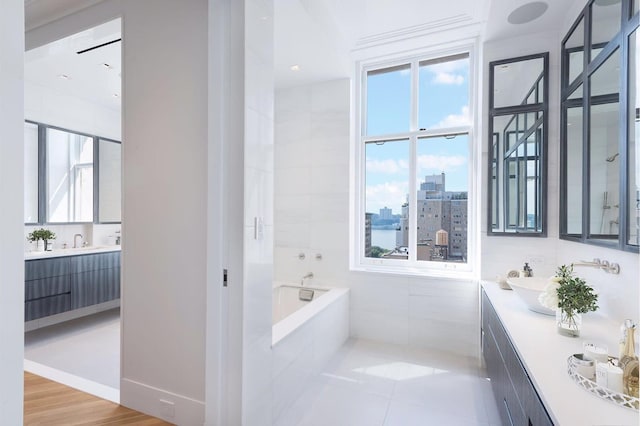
[[612, 158]]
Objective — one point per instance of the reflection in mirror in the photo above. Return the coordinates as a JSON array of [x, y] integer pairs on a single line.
[[69, 177], [606, 79], [517, 138], [30, 173], [605, 23], [516, 83], [109, 181], [633, 153], [604, 161], [575, 49], [574, 170]]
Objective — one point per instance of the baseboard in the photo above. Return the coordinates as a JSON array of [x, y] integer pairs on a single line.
[[69, 315], [159, 403]]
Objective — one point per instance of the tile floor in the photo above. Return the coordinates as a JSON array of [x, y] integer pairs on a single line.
[[365, 383], [371, 384], [83, 353]]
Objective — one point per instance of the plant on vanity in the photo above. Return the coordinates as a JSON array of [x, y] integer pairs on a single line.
[[569, 296], [41, 234]]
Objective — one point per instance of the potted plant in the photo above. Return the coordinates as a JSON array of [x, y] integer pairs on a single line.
[[41, 234], [570, 297]]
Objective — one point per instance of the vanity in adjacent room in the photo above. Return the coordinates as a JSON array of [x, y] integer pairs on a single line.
[[70, 283]]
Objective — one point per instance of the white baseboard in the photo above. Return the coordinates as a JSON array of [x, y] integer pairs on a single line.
[[159, 403]]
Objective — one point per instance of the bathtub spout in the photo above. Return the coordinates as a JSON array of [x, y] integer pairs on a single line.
[[308, 276]]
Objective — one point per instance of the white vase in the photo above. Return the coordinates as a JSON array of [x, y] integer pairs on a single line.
[[39, 245]]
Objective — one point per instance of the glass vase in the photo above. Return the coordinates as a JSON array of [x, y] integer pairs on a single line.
[[568, 323]]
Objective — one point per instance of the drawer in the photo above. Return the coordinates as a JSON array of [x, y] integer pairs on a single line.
[[44, 268], [95, 262], [37, 289], [47, 306]]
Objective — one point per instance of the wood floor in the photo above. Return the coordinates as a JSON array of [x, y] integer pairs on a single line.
[[53, 404]]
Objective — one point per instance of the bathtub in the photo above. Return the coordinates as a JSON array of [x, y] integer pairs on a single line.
[[305, 335]]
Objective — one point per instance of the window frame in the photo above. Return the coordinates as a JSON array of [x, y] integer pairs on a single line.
[[412, 266]]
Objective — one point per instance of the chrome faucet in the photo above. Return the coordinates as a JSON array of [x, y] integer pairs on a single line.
[[308, 276], [75, 240]]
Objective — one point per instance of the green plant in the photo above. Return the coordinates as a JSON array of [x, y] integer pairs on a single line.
[[41, 234], [574, 295]]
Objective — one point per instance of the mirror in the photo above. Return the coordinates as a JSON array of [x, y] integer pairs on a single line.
[[517, 151], [30, 173], [599, 196], [69, 177], [109, 181], [633, 234]]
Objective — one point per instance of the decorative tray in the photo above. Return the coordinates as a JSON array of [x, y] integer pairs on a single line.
[[589, 385]]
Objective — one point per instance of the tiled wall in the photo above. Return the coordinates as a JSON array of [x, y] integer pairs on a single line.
[[312, 217]]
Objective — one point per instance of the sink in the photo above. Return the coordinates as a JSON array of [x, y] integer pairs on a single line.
[[528, 290]]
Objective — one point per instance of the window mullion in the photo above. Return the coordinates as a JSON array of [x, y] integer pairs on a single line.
[[413, 200]]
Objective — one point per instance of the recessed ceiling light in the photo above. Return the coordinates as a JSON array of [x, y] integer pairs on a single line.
[[115, 95], [64, 77], [107, 66], [294, 67], [527, 12]]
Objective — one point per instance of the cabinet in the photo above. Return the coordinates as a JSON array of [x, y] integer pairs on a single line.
[[517, 400], [61, 284]]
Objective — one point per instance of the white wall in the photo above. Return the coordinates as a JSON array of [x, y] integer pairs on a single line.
[[258, 203], [619, 294], [312, 217], [164, 254], [11, 213]]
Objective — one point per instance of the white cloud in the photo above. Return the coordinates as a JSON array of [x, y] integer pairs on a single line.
[[442, 163], [388, 166], [387, 194], [448, 78], [455, 120]]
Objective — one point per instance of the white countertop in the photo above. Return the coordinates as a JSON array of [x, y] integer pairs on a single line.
[[31, 255], [544, 354]]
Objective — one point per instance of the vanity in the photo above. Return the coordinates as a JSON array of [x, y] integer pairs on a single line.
[[66, 284], [526, 360]]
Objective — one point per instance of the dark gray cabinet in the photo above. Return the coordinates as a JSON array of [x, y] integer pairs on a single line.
[[518, 402], [61, 284]]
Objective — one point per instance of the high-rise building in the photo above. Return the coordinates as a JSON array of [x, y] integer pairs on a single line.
[[386, 213], [367, 234]]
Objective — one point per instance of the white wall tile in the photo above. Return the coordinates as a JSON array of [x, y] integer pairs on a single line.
[[380, 327]]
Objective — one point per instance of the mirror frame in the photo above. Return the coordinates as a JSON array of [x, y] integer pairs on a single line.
[[538, 107], [619, 42]]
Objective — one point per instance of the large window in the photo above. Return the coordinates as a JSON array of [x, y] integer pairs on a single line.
[[413, 162]]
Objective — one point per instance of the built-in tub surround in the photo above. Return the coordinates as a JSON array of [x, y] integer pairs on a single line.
[[305, 339]]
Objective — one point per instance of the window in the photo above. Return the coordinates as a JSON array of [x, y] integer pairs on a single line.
[[413, 156], [69, 177]]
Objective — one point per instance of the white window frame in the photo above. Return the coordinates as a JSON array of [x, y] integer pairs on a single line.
[[412, 266]]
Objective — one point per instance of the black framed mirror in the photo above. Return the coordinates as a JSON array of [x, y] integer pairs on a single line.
[[518, 123], [599, 192]]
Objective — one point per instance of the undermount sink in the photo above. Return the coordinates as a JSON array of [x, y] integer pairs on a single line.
[[528, 290]]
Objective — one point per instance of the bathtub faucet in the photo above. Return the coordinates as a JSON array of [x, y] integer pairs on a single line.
[[309, 276]]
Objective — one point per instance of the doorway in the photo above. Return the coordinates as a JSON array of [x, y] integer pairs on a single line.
[[73, 186]]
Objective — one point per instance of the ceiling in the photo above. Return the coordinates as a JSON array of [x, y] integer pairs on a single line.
[[94, 76], [319, 36]]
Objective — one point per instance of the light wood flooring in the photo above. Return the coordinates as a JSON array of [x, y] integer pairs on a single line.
[[49, 403]]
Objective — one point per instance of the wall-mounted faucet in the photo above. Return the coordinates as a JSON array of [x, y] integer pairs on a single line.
[[75, 240], [308, 276], [611, 268]]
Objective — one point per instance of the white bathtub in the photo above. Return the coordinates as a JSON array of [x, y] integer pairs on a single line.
[[305, 336]]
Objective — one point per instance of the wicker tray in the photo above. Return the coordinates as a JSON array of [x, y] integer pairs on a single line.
[[589, 385]]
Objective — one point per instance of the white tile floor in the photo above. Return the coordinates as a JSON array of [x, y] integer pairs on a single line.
[[83, 353], [371, 384], [365, 383]]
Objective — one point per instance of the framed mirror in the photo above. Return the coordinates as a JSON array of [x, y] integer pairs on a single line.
[[518, 106], [599, 193], [31, 173], [109, 181]]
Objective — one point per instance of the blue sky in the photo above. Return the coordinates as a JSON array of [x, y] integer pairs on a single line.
[[443, 102]]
